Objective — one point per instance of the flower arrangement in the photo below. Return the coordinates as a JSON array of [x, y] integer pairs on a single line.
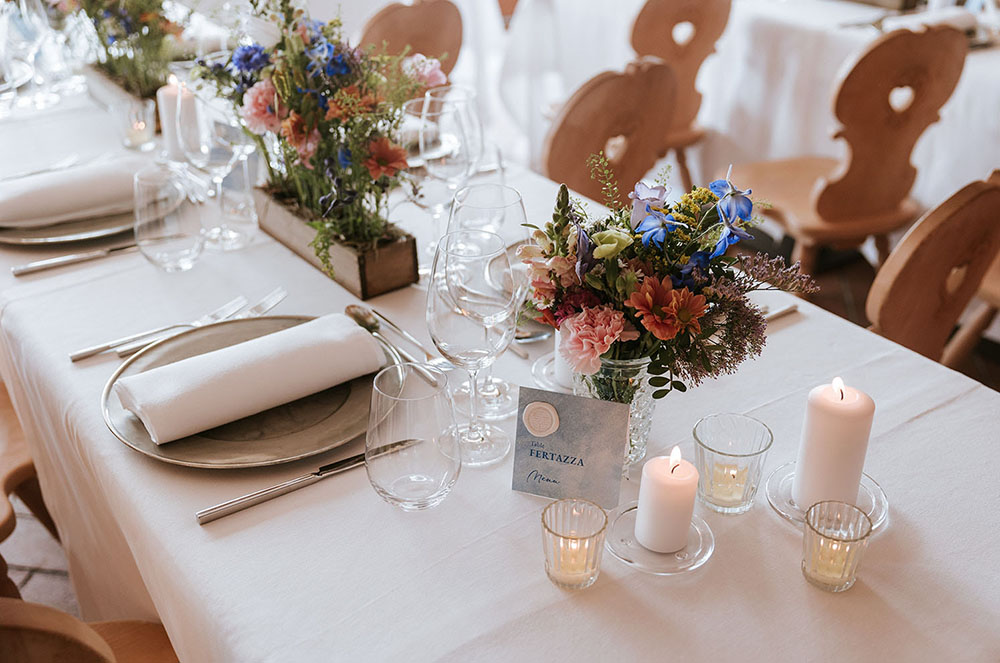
[[325, 114], [136, 41], [652, 282]]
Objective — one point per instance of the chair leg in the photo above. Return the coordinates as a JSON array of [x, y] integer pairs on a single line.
[[31, 494], [965, 339], [7, 587], [683, 166], [882, 246], [806, 255]]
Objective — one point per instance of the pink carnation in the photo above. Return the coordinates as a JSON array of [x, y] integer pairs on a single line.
[[425, 70], [589, 334], [262, 111]]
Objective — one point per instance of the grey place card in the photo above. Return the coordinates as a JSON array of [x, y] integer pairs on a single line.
[[569, 446]]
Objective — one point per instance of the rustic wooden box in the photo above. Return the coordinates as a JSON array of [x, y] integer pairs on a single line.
[[366, 274]]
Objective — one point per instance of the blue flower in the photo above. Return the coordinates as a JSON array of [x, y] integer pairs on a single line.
[[251, 58], [585, 259], [698, 261], [733, 203], [344, 157], [323, 58], [656, 225], [729, 236]]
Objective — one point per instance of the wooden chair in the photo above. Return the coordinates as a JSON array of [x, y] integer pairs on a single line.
[[659, 31], [431, 27], [32, 633], [885, 102], [621, 114], [928, 280]]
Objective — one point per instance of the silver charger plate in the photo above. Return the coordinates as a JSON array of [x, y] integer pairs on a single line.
[[70, 231], [295, 430]]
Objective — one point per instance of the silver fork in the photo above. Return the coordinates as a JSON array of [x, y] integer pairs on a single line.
[[223, 311], [266, 303]]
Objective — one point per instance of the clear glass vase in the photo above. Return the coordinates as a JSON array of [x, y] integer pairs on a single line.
[[623, 381]]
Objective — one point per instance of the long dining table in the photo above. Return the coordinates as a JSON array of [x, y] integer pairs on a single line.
[[333, 573]]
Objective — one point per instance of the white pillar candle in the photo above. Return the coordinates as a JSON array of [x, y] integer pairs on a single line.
[[833, 446], [666, 503], [563, 371], [166, 104]]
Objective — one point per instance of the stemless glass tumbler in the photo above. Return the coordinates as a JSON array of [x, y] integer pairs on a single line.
[[167, 223], [573, 532], [730, 451], [411, 452], [836, 535]]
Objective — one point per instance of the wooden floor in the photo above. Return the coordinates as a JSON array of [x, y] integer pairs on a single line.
[[38, 566]]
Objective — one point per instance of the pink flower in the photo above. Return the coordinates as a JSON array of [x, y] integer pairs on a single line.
[[425, 70], [262, 110], [589, 334]]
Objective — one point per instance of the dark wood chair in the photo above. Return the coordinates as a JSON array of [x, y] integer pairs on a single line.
[[682, 33], [622, 114], [430, 27]]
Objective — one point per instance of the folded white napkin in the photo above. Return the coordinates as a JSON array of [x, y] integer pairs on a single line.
[[92, 189], [955, 17], [212, 389]]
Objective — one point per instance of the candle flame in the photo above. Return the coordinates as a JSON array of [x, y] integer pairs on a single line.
[[675, 458], [838, 386], [172, 79]]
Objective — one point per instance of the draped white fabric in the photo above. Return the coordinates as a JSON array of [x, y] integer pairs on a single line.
[[334, 573]]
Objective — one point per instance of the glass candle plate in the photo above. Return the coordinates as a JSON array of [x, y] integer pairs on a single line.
[[621, 543], [871, 498]]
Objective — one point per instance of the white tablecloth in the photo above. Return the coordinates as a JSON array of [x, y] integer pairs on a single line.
[[767, 91], [334, 573]]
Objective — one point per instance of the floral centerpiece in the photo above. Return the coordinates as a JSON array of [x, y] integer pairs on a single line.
[[325, 114], [135, 39], [646, 299]]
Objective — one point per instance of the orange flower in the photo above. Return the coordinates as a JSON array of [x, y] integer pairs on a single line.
[[384, 158], [349, 101], [664, 311]]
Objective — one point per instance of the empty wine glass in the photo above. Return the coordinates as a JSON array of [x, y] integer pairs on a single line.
[[471, 319], [167, 222], [464, 100], [497, 209], [213, 139], [411, 451], [439, 157], [27, 29]]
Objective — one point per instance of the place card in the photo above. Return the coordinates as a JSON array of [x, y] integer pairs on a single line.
[[569, 446]]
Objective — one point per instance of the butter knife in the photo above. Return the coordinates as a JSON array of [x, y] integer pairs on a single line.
[[71, 259], [258, 497]]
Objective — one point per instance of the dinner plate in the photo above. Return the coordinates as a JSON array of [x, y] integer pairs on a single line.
[[288, 432], [70, 231]]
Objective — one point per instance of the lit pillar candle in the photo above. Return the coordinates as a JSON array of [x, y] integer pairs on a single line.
[[666, 503], [833, 446], [166, 104]]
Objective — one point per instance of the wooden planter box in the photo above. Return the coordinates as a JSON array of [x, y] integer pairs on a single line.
[[366, 274]]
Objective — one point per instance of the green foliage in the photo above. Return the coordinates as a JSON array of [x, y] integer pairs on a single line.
[[602, 172]]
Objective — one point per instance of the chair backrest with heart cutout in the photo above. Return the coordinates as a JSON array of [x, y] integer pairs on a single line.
[[929, 278], [623, 114], [885, 102], [430, 27], [682, 33]]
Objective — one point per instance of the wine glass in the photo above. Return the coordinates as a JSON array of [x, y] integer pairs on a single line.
[[439, 157], [497, 209], [411, 451], [27, 29], [464, 100], [471, 318], [213, 140], [167, 222]]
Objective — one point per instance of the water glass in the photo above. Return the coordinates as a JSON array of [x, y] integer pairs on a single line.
[[168, 227], [411, 451], [836, 535], [573, 533], [137, 124], [730, 451]]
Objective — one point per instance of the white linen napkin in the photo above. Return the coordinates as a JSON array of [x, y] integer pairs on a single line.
[[955, 17], [212, 389], [79, 192]]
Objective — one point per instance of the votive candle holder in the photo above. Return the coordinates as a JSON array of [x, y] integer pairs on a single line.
[[730, 450], [573, 532], [836, 535], [137, 124]]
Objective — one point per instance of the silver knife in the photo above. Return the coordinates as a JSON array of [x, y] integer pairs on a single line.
[[258, 497], [71, 259]]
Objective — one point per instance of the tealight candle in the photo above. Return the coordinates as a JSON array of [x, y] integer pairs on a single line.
[[728, 483], [834, 443], [835, 537], [138, 134], [666, 503], [573, 539], [136, 124]]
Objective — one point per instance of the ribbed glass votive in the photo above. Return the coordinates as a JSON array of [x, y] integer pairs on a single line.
[[836, 535], [573, 539], [730, 451]]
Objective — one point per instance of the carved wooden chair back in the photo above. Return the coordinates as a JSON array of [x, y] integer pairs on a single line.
[[682, 33], [31, 632], [622, 114], [929, 278], [430, 27], [886, 101]]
